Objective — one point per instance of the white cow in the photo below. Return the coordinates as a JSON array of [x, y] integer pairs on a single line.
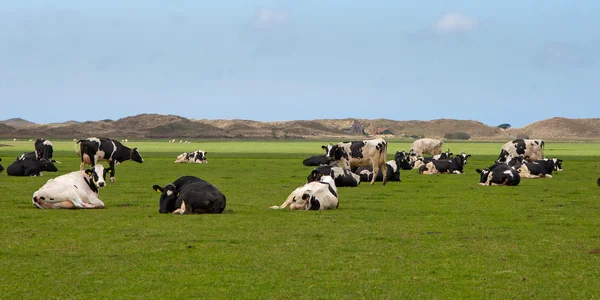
[[315, 195], [425, 146], [78, 189]]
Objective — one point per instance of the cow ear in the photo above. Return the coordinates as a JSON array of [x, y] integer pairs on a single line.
[[157, 188], [324, 147], [89, 171], [478, 170]]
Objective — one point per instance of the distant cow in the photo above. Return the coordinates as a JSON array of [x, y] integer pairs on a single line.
[[598, 182], [425, 146], [341, 176], [30, 167], [198, 157], [1, 167], [499, 174], [317, 160], [78, 189], [190, 195], [315, 195], [530, 149], [452, 166], [359, 154], [94, 150], [393, 169]]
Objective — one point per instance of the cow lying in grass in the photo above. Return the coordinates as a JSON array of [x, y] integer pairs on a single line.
[[315, 195], [499, 174], [341, 177], [190, 195]]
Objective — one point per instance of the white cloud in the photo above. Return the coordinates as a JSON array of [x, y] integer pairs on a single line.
[[266, 18], [455, 22]]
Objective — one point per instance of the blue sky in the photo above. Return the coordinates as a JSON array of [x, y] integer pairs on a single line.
[[513, 62]]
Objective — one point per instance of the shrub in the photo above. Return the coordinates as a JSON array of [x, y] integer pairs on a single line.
[[457, 136]]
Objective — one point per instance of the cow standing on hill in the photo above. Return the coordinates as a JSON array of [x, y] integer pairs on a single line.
[[360, 154], [94, 150]]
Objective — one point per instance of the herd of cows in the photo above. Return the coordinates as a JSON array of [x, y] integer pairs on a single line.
[[344, 164]]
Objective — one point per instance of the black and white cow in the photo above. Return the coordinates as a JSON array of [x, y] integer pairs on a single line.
[[190, 195], [530, 149], [318, 160], [557, 163], [43, 149], [198, 157], [78, 189], [30, 167], [417, 162], [452, 166], [94, 150], [499, 174], [403, 159], [314, 195], [1, 167], [393, 169], [341, 176], [538, 169], [359, 154]]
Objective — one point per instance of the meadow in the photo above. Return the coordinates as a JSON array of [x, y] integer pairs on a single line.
[[429, 236]]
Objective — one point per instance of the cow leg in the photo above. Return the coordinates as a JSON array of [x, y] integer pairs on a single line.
[[111, 163], [181, 210], [383, 168]]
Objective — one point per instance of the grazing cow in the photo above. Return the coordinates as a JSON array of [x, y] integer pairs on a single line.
[[1, 167], [318, 160], [197, 156], [341, 176], [393, 169], [94, 150], [359, 154], [425, 146], [30, 167], [314, 195], [452, 166], [530, 149], [190, 195], [78, 189], [499, 174]]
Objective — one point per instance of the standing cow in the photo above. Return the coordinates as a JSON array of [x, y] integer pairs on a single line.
[[359, 154], [190, 195], [530, 149], [78, 189], [94, 150], [425, 146]]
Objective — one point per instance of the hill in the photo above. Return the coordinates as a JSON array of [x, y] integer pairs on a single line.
[[157, 126]]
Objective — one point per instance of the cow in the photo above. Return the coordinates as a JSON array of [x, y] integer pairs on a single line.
[[341, 176], [403, 159], [314, 195], [318, 160], [43, 149], [557, 163], [359, 154], [393, 169], [531, 149], [30, 167], [78, 189], [190, 195], [452, 166], [94, 150], [499, 174], [420, 161], [598, 182], [1, 167], [197, 156], [538, 169], [425, 146]]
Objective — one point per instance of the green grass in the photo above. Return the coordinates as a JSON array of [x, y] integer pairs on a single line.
[[429, 236]]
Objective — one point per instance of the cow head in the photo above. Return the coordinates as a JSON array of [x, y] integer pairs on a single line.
[[96, 176], [401, 159], [168, 196], [200, 156], [557, 164], [48, 165], [135, 156], [335, 152], [483, 175], [464, 156]]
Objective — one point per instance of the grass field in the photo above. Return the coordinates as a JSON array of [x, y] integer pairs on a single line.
[[429, 236]]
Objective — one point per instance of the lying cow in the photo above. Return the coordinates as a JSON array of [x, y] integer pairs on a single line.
[[417, 162], [598, 182], [78, 189], [499, 174], [198, 157], [452, 166], [341, 177], [317, 160], [94, 150], [359, 154], [1, 167], [31, 167], [530, 149], [315, 195], [393, 170], [190, 195], [538, 169]]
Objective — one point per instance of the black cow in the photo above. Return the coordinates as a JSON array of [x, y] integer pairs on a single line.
[[1, 167], [30, 167], [190, 194], [598, 182], [94, 150], [499, 174], [318, 160], [341, 176], [454, 165]]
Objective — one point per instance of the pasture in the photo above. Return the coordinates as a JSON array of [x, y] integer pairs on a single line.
[[429, 236]]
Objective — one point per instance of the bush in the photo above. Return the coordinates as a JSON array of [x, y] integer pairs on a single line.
[[504, 126], [457, 136]]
